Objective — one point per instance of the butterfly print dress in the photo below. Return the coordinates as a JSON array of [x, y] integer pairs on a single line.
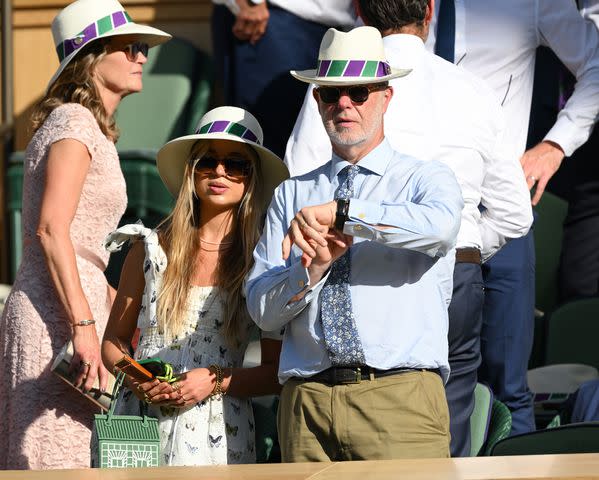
[[215, 431]]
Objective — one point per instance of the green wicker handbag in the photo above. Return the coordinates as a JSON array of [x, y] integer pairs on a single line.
[[121, 441]]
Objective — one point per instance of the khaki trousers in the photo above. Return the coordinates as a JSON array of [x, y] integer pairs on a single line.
[[398, 416]]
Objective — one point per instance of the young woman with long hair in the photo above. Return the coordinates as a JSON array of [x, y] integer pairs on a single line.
[[182, 287], [73, 195]]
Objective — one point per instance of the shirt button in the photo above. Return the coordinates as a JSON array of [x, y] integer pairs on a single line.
[[358, 228], [301, 283]]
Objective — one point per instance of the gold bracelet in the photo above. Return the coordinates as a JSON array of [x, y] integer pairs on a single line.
[[218, 387]]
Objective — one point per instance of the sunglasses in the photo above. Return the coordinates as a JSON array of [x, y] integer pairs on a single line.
[[135, 48], [356, 93], [234, 167]]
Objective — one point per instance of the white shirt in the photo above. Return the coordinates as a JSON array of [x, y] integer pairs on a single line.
[[443, 113], [589, 9], [333, 13], [497, 41]]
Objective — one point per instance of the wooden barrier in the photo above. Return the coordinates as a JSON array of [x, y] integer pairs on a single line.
[[524, 467]]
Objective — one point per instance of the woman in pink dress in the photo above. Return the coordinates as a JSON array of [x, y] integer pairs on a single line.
[[73, 195]]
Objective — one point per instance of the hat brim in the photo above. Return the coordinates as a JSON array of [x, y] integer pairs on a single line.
[[150, 35], [310, 76], [172, 157]]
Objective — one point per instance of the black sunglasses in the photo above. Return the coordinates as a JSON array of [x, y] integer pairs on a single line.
[[133, 49], [357, 93], [234, 167]]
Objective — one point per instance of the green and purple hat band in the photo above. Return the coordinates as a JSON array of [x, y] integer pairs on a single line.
[[98, 28], [353, 68], [232, 128]]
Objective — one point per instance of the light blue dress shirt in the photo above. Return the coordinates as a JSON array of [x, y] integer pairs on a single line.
[[401, 277]]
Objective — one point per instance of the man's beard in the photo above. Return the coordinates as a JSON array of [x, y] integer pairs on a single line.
[[342, 136]]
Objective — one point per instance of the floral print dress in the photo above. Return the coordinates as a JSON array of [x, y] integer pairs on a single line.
[[215, 431]]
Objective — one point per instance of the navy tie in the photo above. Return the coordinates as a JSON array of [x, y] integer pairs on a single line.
[[338, 323], [445, 40]]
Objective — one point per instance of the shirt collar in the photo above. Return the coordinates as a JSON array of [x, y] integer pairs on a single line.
[[375, 161]]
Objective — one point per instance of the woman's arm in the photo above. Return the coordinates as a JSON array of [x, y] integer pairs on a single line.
[[68, 164], [123, 321], [256, 381], [197, 384], [125, 309]]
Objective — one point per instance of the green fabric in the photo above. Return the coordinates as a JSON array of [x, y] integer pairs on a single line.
[[500, 426], [556, 422], [370, 69], [548, 230], [480, 418], [336, 68], [573, 330], [574, 438], [177, 81]]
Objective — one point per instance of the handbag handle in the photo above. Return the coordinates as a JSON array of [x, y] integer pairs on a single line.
[[115, 392]]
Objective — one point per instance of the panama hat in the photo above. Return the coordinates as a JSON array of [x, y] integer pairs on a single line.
[[222, 123], [85, 21], [353, 58]]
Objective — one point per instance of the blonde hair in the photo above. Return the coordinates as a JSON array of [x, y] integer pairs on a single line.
[[179, 238], [76, 84]]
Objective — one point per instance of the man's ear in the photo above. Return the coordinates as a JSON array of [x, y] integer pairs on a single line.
[[430, 11], [315, 94], [388, 96]]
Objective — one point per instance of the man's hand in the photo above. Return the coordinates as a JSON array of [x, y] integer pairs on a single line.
[[251, 21], [308, 229], [539, 164]]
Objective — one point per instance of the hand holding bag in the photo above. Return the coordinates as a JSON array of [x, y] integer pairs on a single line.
[[121, 441]]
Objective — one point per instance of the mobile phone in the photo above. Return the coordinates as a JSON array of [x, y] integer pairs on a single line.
[[132, 368]]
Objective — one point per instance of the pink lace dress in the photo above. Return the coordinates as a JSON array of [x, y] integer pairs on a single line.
[[44, 422]]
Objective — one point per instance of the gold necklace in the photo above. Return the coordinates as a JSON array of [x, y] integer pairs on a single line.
[[213, 250], [214, 243]]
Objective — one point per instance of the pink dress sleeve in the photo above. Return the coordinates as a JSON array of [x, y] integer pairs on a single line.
[[76, 122]]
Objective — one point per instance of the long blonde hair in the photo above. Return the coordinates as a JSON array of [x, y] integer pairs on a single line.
[[179, 238], [76, 84]]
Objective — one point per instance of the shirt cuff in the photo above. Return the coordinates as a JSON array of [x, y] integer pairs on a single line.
[[365, 211], [299, 279], [567, 135]]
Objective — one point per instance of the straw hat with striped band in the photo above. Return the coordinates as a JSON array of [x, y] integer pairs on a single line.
[[86, 21], [353, 58], [222, 123]]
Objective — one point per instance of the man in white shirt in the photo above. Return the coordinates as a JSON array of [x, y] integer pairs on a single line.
[[255, 45], [441, 112], [497, 41]]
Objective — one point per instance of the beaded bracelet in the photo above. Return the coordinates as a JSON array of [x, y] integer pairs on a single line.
[[218, 390]]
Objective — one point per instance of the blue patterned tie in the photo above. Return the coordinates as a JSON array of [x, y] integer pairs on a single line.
[[338, 323], [445, 39]]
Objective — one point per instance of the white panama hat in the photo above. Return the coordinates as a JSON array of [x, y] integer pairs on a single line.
[[85, 21], [222, 123], [353, 58]]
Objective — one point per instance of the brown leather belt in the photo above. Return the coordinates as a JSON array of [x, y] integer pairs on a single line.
[[347, 375], [468, 255]]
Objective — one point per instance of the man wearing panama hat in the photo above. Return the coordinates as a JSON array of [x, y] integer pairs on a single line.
[[363, 280]]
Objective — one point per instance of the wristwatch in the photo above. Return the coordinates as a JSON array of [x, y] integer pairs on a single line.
[[341, 213]]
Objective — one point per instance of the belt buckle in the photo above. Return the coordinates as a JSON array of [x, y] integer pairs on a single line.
[[358, 378]]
